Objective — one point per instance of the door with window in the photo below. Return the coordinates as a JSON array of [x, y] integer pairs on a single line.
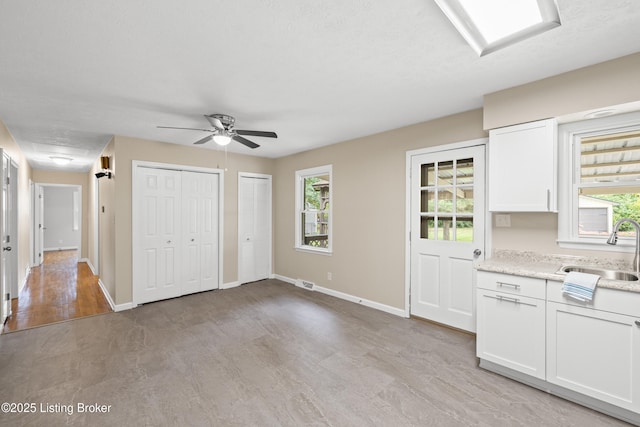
[[447, 233]]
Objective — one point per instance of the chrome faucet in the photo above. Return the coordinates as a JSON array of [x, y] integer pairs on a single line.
[[613, 239]]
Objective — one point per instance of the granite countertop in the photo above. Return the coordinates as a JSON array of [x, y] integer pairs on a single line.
[[544, 266]]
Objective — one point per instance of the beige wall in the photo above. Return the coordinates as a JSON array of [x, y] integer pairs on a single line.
[[8, 144], [70, 178], [369, 182], [128, 149], [105, 259], [601, 85]]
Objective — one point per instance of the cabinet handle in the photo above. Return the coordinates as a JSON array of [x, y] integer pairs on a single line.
[[548, 200], [509, 299], [638, 322], [502, 284]]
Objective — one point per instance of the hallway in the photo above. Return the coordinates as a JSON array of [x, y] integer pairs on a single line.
[[60, 289]]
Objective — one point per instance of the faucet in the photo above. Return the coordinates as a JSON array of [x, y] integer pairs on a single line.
[[613, 239]]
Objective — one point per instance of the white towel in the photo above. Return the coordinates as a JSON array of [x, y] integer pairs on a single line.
[[580, 286]]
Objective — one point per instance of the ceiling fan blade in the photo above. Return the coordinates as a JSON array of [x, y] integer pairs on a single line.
[[173, 127], [215, 122], [245, 141], [256, 133], [203, 140]]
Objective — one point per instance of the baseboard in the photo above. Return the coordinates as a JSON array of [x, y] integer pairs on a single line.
[[230, 285], [351, 298], [107, 295], [86, 260], [27, 272], [63, 248], [123, 307]]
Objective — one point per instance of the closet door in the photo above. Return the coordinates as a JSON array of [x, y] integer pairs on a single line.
[[200, 232], [254, 227], [158, 276]]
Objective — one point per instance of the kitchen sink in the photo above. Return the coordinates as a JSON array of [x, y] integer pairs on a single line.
[[625, 276]]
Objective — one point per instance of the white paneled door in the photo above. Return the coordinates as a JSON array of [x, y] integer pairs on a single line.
[[5, 308], [254, 227], [158, 274], [200, 232], [176, 231], [447, 233]]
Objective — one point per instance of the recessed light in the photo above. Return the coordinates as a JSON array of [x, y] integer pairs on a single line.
[[59, 160]]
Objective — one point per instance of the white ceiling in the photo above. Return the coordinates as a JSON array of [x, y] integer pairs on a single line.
[[73, 73]]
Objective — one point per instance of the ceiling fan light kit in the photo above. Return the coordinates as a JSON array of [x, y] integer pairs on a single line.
[[223, 131]]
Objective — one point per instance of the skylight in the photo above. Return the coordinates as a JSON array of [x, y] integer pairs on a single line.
[[490, 25]]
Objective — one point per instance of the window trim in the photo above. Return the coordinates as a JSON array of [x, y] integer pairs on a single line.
[[568, 134], [301, 175]]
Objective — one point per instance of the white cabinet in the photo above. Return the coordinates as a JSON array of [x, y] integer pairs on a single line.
[[523, 167], [595, 352], [511, 322]]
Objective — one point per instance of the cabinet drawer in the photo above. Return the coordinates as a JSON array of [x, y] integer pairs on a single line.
[[510, 284], [511, 331]]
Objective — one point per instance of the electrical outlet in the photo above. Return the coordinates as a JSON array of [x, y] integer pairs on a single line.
[[503, 220], [329, 276]]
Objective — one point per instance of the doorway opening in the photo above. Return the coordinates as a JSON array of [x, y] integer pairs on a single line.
[[59, 289]]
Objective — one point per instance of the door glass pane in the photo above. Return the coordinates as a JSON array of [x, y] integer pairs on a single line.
[[464, 171], [445, 200], [464, 229], [464, 200], [445, 173], [445, 229], [427, 227], [427, 201], [427, 175]]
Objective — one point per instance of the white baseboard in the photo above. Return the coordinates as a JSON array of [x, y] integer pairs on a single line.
[[123, 307], [107, 295], [93, 270], [351, 298], [63, 248], [27, 272], [230, 285]]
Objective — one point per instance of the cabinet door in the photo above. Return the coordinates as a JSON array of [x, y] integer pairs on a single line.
[[594, 352], [511, 331], [523, 167]]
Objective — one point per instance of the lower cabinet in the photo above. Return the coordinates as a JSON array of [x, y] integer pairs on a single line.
[[594, 352], [588, 352], [511, 332]]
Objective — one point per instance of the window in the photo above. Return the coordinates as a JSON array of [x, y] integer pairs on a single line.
[[493, 24], [601, 183], [446, 200], [313, 209]]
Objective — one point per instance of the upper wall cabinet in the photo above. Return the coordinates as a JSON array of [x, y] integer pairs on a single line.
[[523, 167]]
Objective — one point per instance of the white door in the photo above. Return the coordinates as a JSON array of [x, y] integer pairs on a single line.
[[38, 225], [200, 232], [5, 306], [158, 274], [447, 234], [254, 227]]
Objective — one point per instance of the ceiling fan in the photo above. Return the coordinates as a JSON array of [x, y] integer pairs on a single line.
[[223, 131]]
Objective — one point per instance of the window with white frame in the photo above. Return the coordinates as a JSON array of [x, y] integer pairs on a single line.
[[600, 179], [313, 209]]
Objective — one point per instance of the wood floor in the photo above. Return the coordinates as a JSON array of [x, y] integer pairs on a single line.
[[60, 289], [264, 354]]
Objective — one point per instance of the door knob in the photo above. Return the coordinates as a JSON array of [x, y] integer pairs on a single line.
[[477, 252], [8, 249]]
